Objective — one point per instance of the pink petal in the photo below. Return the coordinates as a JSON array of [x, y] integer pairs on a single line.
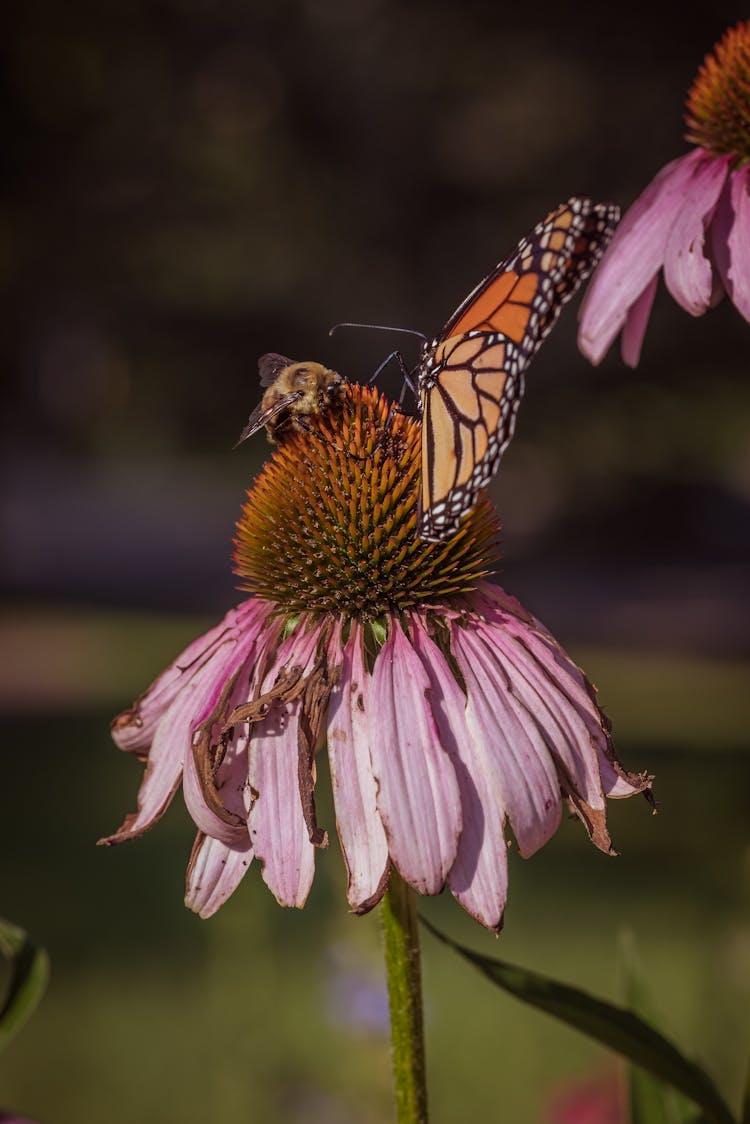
[[616, 782], [418, 796], [560, 684], [633, 257], [560, 722], [214, 873], [508, 611], [636, 322], [731, 240], [232, 784], [517, 763], [719, 231], [615, 785], [172, 743], [360, 829], [133, 730], [479, 877], [687, 270], [276, 821], [233, 778], [232, 774], [196, 694]]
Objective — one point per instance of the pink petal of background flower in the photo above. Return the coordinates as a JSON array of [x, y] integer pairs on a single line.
[[694, 221], [634, 255], [737, 274], [687, 271]]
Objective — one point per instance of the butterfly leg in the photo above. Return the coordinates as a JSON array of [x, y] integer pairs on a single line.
[[393, 355]]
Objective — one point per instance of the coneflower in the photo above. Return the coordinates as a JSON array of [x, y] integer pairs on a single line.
[[448, 712], [692, 221]]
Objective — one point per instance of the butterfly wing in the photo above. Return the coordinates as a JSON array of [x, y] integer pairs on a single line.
[[471, 376]]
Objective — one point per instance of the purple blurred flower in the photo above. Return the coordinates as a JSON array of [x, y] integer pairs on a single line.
[[692, 221], [357, 998], [448, 712]]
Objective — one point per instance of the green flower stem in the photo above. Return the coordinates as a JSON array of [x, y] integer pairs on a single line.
[[400, 928]]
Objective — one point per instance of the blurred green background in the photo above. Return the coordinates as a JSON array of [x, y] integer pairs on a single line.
[[186, 186]]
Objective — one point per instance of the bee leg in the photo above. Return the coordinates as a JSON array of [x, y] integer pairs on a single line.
[[304, 425]]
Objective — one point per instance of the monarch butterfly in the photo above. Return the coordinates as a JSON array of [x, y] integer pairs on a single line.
[[294, 391], [470, 378]]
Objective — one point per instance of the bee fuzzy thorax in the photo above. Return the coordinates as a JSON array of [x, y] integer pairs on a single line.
[[295, 392]]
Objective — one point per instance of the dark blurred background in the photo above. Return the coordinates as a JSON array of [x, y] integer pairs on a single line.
[[185, 186]]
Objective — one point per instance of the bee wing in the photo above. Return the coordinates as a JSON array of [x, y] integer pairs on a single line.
[[270, 367], [262, 416]]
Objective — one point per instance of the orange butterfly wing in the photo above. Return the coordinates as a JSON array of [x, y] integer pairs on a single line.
[[471, 376]]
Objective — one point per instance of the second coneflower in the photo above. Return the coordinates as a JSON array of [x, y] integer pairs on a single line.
[[692, 221], [448, 712]]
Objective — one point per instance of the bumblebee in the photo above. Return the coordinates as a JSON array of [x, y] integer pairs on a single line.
[[294, 391]]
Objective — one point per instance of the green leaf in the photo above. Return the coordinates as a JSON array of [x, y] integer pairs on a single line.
[[650, 1100], [613, 1026], [28, 979], [746, 1098]]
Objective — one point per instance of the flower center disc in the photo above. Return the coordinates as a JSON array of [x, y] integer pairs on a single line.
[[718, 105], [329, 524]]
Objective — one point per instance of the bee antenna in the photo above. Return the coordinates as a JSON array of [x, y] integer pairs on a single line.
[[378, 328]]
